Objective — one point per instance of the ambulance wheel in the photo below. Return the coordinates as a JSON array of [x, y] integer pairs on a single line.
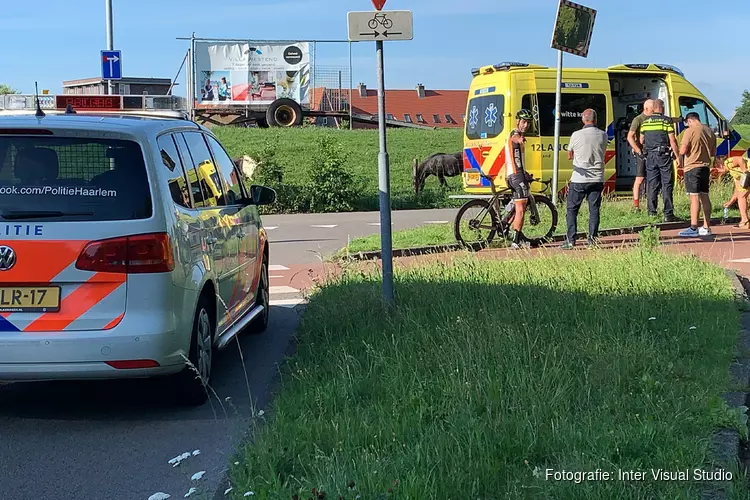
[[284, 113]]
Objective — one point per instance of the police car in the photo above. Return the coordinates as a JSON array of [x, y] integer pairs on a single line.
[[130, 244]]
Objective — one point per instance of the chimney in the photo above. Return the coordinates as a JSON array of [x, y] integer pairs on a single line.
[[362, 90], [420, 91]]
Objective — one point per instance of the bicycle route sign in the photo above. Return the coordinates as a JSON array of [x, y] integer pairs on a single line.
[[381, 25]]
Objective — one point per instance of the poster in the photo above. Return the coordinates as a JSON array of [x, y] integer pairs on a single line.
[[247, 73]]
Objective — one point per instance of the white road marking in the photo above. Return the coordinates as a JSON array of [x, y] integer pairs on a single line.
[[741, 261], [276, 267], [288, 303], [373, 224], [326, 226], [269, 228], [436, 222], [282, 289], [277, 276]]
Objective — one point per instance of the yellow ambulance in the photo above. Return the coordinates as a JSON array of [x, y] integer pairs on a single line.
[[616, 93]]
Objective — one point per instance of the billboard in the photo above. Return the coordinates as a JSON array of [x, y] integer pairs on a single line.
[[229, 73]]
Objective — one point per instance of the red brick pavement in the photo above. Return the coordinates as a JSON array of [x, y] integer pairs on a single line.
[[728, 247]]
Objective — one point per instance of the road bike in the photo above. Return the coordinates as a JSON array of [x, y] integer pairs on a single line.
[[380, 19], [496, 217]]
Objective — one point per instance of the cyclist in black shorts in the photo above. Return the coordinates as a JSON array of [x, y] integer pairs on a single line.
[[516, 176]]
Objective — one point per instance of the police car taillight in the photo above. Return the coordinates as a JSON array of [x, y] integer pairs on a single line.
[[143, 253]]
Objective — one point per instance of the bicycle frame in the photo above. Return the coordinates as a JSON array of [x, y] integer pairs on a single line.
[[496, 195]]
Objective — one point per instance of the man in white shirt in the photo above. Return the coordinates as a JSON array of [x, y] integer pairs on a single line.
[[586, 149]]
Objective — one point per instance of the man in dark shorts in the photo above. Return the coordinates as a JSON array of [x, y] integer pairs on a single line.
[[516, 177], [633, 136], [698, 149]]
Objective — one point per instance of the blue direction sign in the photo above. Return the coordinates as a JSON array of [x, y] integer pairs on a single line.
[[111, 65]]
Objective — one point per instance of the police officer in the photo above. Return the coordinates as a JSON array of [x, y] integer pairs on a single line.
[[660, 148]]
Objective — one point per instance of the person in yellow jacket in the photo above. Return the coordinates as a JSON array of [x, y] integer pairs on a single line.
[[736, 166]]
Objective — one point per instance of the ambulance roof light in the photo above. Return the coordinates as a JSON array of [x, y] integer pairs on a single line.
[[475, 71], [509, 64]]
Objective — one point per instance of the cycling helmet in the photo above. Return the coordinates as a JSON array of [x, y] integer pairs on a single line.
[[524, 114]]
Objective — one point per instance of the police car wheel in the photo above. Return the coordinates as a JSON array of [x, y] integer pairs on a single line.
[[260, 324], [193, 381]]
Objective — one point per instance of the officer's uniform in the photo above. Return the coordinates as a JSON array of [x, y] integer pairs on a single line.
[[659, 171]]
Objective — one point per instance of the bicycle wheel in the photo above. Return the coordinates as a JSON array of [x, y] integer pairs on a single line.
[[472, 218], [387, 24], [541, 228], [372, 23]]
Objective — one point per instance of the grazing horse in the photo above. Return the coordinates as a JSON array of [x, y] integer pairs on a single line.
[[440, 165]]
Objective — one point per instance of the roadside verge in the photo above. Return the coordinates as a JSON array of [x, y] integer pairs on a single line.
[[432, 249]]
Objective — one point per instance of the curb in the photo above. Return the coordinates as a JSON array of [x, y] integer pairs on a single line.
[[726, 442], [424, 250]]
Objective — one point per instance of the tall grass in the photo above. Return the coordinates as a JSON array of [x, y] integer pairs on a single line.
[[489, 373]]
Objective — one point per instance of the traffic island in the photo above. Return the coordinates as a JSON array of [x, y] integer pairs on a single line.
[[503, 375]]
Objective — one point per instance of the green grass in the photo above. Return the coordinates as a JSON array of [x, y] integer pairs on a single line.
[[614, 214], [744, 130], [489, 372], [404, 145]]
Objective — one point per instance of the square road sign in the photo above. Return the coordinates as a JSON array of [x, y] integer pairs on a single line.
[[573, 28], [111, 65]]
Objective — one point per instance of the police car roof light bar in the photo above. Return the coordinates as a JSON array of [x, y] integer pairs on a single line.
[[74, 104]]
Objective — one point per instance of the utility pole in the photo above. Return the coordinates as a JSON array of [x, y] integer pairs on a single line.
[[110, 40]]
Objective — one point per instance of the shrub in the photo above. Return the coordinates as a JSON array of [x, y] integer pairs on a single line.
[[331, 184], [269, 172]]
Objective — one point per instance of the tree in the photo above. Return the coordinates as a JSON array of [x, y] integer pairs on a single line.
[[742, 113], [6, 89]]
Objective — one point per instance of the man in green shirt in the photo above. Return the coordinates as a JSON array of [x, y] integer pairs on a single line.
[[633, 136]]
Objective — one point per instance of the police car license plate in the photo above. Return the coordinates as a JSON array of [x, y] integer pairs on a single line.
[[21, 299], [472, 178]]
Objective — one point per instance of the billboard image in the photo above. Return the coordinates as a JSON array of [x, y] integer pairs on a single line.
[[247, 73]]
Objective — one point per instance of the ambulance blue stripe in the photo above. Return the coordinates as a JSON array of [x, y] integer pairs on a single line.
[[7, 326], [726, 146], [611, 131]]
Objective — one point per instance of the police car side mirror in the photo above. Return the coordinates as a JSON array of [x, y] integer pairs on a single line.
[[262, 195]]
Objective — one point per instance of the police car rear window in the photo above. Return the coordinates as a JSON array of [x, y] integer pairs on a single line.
[[72, 179]]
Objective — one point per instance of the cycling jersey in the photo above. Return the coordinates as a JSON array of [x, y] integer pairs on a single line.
[[514, 154]]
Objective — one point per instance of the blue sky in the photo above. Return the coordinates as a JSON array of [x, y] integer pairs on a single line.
[[56, 40]]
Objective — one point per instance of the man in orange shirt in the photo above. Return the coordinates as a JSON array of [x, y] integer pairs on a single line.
[[697, 151]]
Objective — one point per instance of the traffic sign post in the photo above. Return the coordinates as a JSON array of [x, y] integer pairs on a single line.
[[111, 65], [573, 28], [379, 26]]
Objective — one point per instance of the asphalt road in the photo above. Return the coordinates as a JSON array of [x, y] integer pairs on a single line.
[[300, 239], [113, 440]]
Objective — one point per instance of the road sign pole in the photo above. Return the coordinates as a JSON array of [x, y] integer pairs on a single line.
[[558, 114], [110, 39], [384, 181]]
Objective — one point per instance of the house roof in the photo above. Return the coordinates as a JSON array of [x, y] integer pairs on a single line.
[[400, 103]]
